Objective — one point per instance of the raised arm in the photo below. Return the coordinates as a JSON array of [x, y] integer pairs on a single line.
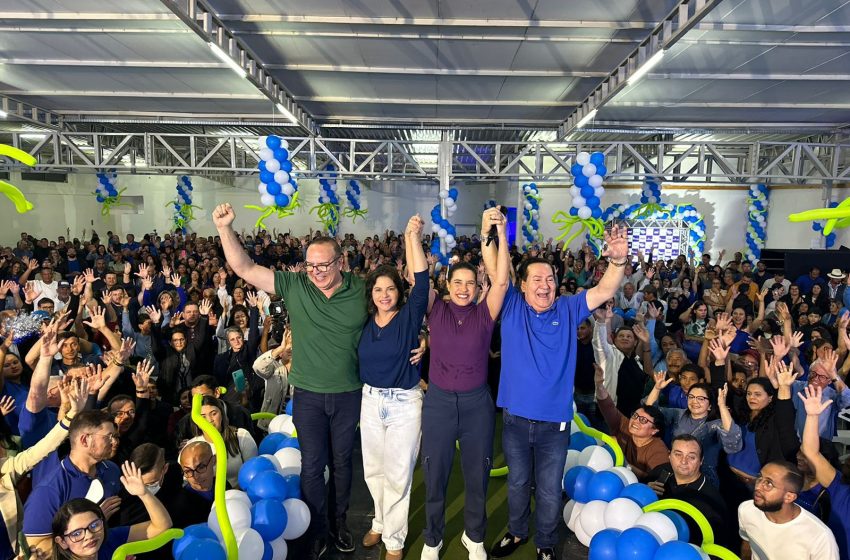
[[160, 521], [497, 261], [661, 381], [811, 399], [259, 276], [617, 251]]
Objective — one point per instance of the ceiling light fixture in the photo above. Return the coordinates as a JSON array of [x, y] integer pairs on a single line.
[[647, 66], [3, 114], [225, 58], [290, 117], [586, 119]]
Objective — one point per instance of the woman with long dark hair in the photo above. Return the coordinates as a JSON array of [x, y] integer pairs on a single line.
[[238, 442]]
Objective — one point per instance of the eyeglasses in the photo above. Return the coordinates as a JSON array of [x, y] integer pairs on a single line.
[[766, 483], [642, 419], [319, 267], [123, 413], [109, 437], [200, 469], [697, 398], [175, 340], [77, 535]]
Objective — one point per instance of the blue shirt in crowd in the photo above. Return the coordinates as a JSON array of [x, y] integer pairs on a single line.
[[826, 421], [19, 393], [115, 538], [384, 352], [539, 356], [746, 460]]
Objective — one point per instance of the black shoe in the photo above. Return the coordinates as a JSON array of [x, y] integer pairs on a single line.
[[319, 548], [546, 554], [342, 539], [507, 546]]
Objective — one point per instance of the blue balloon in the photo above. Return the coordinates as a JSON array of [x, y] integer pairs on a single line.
[[281, 200], [289, 442], [294, 184], [581, 181], [271, 442], [289, 406], [202, 549], [267, 485], [281, 154], [677, 550], [587, 192], [603, 545], [636, 544], [262, 166], [186, 180], [605, 486], [682, 528], [576, 483], [597, 158], [252, 468], [286, 165], [580, 440], [190, 533], [273, 188], [575, 169], [601, 170], [268, 517], [593, 201], [272, 142], [99, 198], [453, 193], [573, 211], [596, 212], [266, 176], [268, 553], [640, 494], [293, 486]]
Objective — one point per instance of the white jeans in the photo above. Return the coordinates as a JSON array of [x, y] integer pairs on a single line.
[[390, 431]]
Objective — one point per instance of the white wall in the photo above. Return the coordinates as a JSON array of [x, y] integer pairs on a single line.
[[72, 205]]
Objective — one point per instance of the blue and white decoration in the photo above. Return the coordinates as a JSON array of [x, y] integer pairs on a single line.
[[588, 175], [757, 204], [278, 190], [444, 230], [819, 225], [183, 207], [355, 204], [531, 215], [106, 192], [328, 208]]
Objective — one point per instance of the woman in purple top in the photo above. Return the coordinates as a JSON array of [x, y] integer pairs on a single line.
[[458, 406]]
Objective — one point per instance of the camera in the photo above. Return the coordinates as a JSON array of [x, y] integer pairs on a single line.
[[280, 318]]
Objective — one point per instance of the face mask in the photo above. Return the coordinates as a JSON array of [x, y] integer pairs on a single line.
[[153, 488]]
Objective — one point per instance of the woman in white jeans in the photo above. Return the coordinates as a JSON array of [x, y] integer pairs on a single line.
[[391, 409]]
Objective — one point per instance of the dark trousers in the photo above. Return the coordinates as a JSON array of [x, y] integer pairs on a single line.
[[467, 418], [323, 421], [534, 451]]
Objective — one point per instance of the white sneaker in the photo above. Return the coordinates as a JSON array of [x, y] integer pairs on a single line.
[[431, 552], [476, 549]]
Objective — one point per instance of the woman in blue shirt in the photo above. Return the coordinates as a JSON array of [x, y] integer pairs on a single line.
[[391, 409], [80, 531]]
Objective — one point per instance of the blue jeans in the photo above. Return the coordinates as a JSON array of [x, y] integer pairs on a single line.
[[326, 424], [535, 451]]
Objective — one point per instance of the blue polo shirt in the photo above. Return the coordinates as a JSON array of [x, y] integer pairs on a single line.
[[64, 483], [33, 426], [115, 538], [539, 356], [20, 394]]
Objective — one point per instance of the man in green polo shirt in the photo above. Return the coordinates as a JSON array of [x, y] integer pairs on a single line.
[[327, 311]]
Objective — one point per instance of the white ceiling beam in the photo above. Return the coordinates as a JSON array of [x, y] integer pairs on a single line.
[[728, 105], [440, 22], [681, 19], [16, 109], [112, 63], [90, 16], [408, 101], [81, 29], [498, 72], [439, 36], [157, 94]]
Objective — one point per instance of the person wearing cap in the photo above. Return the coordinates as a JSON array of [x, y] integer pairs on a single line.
[[835, 288], [63, 295]]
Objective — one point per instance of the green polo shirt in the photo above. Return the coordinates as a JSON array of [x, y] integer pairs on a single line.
[[325, 331]]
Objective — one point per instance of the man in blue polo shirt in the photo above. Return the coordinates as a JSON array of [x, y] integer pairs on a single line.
[[85, 472], [536, 388]]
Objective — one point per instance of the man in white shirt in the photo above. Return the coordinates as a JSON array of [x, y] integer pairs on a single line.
[[773, 527], [48, 287]]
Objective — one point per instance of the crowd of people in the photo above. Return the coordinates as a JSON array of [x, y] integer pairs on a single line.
[[722, 382]]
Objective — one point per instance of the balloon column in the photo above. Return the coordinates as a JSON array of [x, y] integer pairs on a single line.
[[531, 213], [650, 199], [355, 209], [183, 207], [757, 221], [328, 208], [106, 193], [278, 190], [588, 175], [13, 193], [820, 227], [442, 227], [263, 513]]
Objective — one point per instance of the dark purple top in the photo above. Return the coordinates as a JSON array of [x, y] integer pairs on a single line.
[[460, 344]]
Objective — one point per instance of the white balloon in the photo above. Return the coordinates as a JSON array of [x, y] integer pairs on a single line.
[[435, 228], [281, 177], [262, 188], [579, 202], [653, 200], [580, 533], [659, 525], [249, 542], [267, 200], [598, 192], [625, 474], [442, 232], [273, 166], [323, 199], [592, 519], [595, 181], [282, 423], [237, 496], [583, 158], [585, 212], [287, 189], [263, 141], [622, 513], [527, 206], [595, 456], [297, 519], [571, 513], [588, 170], [444, 194], [450, 239], [279, 548], [239, 513], [274, 461], [284, 144], [266, 154], [290, 460]]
